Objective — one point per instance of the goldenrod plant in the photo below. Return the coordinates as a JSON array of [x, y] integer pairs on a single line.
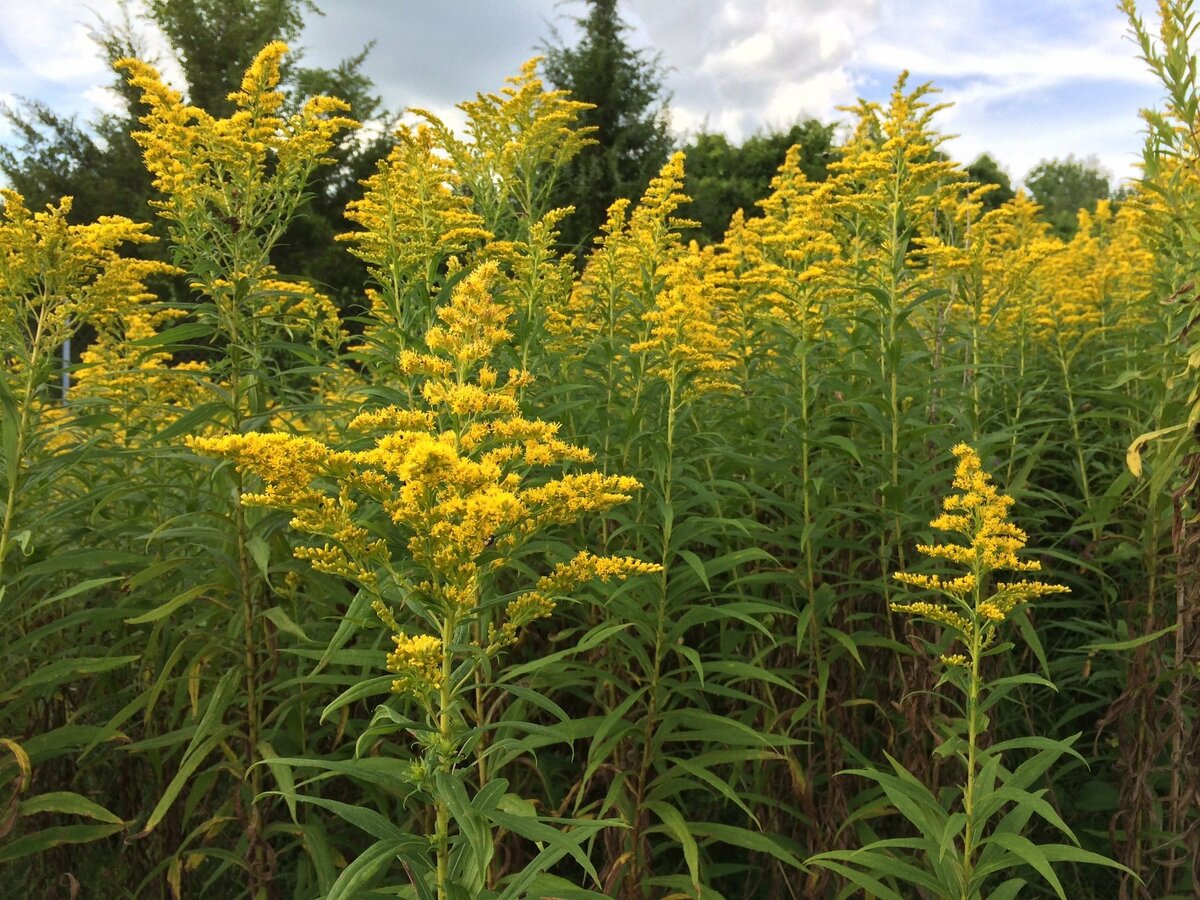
[[969, 840], [55, 278], [1156, 826], [229, 187], [426, 521]]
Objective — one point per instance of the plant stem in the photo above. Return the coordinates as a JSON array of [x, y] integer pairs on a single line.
[[14, 465], [642, 866], [969, 836], [445, 698]]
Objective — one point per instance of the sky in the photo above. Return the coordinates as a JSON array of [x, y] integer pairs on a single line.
[[1028, 79]]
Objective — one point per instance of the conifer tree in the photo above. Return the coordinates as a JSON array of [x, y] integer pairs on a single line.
[[632, 138]]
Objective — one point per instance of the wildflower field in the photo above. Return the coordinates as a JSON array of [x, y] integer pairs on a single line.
[[855, 554]]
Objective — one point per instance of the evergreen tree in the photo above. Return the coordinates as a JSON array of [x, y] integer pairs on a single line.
[[632, 138]]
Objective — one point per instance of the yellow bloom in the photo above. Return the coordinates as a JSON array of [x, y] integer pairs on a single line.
[[978, 514], [418, 662], [229, 186], [456, 479]]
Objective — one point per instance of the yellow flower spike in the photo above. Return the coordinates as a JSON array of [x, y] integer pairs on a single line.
[[520, 137], [539, 603], [62, 276], [417, 661], [413, 216], [452, 477], [632, 249], [228, 183], [686, 343], [978, 514]]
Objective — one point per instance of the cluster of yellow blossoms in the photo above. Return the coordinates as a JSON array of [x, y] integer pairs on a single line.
[[231, 185], [448, 491], [54, 276], [972, 606]]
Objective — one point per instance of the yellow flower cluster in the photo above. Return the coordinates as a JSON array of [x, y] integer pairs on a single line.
[[519, 140], [539, 603], [301, 311], [141, 389], [891, 167], [447, 491], [231, 185], [978, 513], [685, 346], [414, 216], [55, 276], [1101, 278], [626, 271], [797, 269], [417, 660], [993, 265]]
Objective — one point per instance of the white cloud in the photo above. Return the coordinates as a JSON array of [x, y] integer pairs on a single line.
[[1014, 68]]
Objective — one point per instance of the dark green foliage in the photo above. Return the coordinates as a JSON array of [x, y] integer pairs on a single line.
[[1063, 187], [986, 170], [632, 138], [215, 40]]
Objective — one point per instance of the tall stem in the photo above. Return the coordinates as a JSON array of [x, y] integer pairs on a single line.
[[19, 445], [445, 698], [972, 740], [1077, 439], [660, 637]]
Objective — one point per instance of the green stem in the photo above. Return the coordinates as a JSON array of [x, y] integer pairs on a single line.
[[250, 663], [445, 698], [14, 470], [1084, 482], [660, 637], [19, 445], [969, 836]]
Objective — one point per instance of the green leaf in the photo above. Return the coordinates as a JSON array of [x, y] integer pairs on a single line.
[[1131, 644], [873, 887], [43, 840], [63, 671], [192, 761], [678, 829], [371, 687], [170, 606], [543, 832], [1031, 854], [361, 872], [70, 803], [472, 824], [735, 836]]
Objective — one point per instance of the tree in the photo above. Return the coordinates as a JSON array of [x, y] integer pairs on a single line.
[[632, 138], [1063, 187], [215, 40], [985, 170], [723, 178]]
